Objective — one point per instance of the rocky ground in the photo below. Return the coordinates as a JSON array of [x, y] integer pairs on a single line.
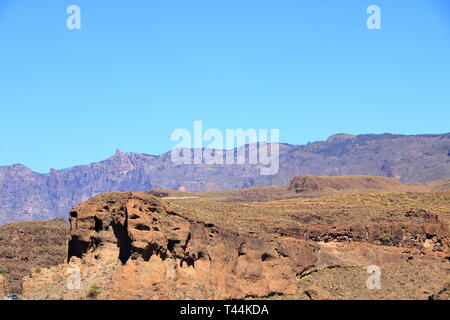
[[342, 273], [30, 246]]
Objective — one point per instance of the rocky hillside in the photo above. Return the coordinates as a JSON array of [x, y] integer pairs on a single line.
[[133, 245], [26, 195], [301, 184], [30, 246]]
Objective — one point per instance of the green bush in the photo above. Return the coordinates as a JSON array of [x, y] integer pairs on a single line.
[[93, 292], [385, 238]]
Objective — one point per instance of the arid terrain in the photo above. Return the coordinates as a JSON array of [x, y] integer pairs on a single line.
[[312, 239], [27, 246]]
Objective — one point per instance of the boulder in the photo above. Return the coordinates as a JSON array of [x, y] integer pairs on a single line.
[[316, 293]]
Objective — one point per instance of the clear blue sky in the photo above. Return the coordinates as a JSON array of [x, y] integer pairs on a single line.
[[139, 69]]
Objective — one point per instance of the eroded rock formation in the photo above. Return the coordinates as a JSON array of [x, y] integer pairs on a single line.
[[165, 255]]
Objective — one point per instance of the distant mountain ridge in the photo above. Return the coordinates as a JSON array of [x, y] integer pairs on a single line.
[[27, 195]]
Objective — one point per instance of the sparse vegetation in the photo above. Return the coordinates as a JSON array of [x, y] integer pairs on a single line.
[[223, 208], [385, 238], [93, 292]]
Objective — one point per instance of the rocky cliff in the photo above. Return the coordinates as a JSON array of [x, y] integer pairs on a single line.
[[26, 195], [167, 256]]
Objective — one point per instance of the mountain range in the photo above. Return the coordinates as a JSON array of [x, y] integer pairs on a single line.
[[27, 195]]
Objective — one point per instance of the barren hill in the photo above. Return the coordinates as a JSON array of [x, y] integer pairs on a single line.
[[30, 246], [27, 195], [318, 183]]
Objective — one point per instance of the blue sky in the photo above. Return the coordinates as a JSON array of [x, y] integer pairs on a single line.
[[137, 70]]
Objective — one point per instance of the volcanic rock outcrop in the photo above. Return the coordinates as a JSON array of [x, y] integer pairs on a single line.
[[2, 286], [164, 255]]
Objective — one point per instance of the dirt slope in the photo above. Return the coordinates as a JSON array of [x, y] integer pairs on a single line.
[[30, 246], [319, 183]]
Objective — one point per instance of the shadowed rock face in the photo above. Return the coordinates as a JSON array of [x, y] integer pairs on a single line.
[[167, 256], [442, 294]]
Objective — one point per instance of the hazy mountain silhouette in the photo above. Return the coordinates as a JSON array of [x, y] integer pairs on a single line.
[[27, 195]]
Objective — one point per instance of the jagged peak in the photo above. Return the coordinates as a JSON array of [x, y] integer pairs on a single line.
[[119, 155], [18, 167]]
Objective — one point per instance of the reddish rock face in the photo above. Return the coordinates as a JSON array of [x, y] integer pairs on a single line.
[[168, 256], [316, 293]]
